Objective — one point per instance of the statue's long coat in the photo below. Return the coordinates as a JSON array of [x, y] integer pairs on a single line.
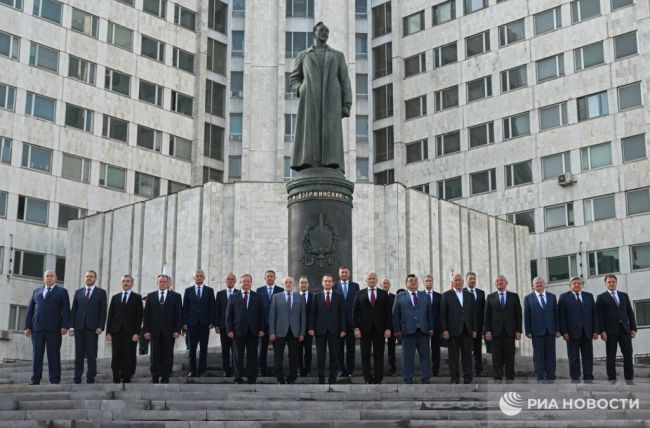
[[323, 93]]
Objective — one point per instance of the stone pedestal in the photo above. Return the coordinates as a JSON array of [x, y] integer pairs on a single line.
[[320, 224]]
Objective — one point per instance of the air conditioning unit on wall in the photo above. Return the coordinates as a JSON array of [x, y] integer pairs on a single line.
[[566, 179]]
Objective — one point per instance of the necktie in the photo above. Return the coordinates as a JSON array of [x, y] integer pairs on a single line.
[[246, 299], [345, 289], [415, 298], [289, 299], [474, 293], [615, 296], [229, 294], [372, 297], [47, 291], [124, 298], [270, 290], [502, 300], [162, 297], [541, 297], [198, 292], [88, 293], [579, 299], [304, 297], [328, 302], [430, 296]]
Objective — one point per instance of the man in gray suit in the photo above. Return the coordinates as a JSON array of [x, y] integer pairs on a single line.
[[287, 325]]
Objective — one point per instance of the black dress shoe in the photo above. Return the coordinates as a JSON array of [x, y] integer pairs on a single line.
[[164, 380], [378, 381], [345, 373], [34, 382], [77, 380], [116, 380], [227, 374], [321, 380], [90, 380], [126, 380], [392, 371], [332, 380], [155, 380], [239, 381], [291, 381], [408, 382], [282, 380]]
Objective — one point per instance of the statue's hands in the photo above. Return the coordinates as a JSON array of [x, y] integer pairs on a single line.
[[346, 111]]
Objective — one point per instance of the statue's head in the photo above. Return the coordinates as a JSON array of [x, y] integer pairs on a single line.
[[321, 32]]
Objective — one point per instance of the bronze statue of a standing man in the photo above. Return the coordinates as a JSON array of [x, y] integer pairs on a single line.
[[320, 78]]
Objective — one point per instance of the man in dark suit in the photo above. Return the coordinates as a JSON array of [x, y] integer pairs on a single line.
[[617, 326], [327, 320], [502, 326], [541, 325], [47, 319], [305, 347], [458, 325], [163, 316], [391, 341], [434, 298], [579, 328], [412, 322], [348, 289], [287, 326], [479, 308], [123, 330], [227, 349], [198, 319], [245, 318], [372, 319], [266, 292], [88, 320]]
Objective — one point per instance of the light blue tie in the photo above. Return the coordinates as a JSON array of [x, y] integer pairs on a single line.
[[541, 297], [502, 300], [345, 289]]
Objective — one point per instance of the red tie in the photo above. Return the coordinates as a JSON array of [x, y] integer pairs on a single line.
[[372, 297], [327, 300]]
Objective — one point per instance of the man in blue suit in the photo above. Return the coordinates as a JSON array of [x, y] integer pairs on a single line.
[[47, 319], [541, 325], [88, 321], [579, 328], [617, 327], [198, 320], [434, 297], [412, 322], [266, 293], [348, 289]]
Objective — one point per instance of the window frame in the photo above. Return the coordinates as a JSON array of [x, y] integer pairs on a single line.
[[569, 216], [589, 208]]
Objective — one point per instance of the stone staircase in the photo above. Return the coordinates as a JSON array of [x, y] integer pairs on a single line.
[[213, 401]]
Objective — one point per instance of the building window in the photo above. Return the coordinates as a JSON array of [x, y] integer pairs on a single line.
[[236, 84], [288, 91], [289, 174], [381, 20], [362, 170], [175, 187], [213, 141], [16, 4], [28, 264], [120, 36], [290, 127], [215, 98], [638, 201], [633, 148], [8, 98], [382, 57], [599, 208], [514, 78], [115, 129], [584, 9], [415, 65], [474, 5], [59, 269], [561, 268], [448, 143], [555, 165], [589, 56], [516, 126], [217, 53], [416, 107], [81, 69], [592, 106], [424, 188], [117, 82], [417, 151], [67, 213], [479, 88], [385, 177], [361, 128], [112, 177], [361, 86], [183, 60], [211, 174], [361, 9], [360, 45], [558, 216], [49, 10], [129, 2], [523, 218], [79, 117], [184, 17], [553, 116], [300, 8], [218, 16], [548, 20], [383, 101], [296, 42], [512, 32], [5, 150], [640, 255], [603, 262], [384, 144], [617, 4], [9, 45], [480, 135], [550, 68], [444, 12], [625, 45], [32, 210], [533, 269], [180, 148], [75, 168], [84, 22], [477, 44], [483, 182], [450, 188], [446, 98], [234, 167], [153, 49], [44, 57], [237, 44], [519, 173], [182, 103], [413, 23], [629, 96], [37, 158], [642, 310], [3, 209], [235, 128], [155, 7], [444, 55], [150, 93], [239, 7], [146, 185], [17, 316], [597, 156], [149, 138], [40, 106]]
